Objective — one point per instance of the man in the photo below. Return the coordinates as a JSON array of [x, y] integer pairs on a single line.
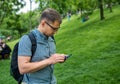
[[39, 69]]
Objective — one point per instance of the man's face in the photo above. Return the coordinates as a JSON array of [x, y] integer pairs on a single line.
[[51, 28]]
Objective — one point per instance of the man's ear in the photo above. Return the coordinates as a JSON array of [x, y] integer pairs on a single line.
[[43, 22]]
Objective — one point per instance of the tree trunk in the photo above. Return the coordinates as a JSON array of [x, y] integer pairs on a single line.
[[110, 5], [101, 9], [30, 15]]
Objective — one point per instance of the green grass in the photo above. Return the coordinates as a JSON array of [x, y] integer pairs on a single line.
[[95, 46]]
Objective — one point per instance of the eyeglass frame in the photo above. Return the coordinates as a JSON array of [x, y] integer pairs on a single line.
[[55, 29]]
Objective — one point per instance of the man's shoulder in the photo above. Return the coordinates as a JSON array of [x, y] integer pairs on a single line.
[[24, 38]]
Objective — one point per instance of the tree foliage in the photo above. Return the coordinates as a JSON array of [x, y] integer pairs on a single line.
[[8, 7], [12, 23]]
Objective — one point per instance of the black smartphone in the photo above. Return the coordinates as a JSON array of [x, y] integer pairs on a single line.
[[67, 56]]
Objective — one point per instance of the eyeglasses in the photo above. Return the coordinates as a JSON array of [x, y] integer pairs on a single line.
[[55, 29]]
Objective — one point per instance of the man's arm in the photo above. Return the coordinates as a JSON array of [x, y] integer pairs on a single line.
[[25, 66]]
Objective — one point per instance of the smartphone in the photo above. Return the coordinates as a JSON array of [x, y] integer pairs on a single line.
[[67, 56]]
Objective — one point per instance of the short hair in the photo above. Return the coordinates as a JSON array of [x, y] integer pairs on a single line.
[[51, 15]]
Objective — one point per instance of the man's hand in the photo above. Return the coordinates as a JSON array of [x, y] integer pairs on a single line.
[[57, 58]]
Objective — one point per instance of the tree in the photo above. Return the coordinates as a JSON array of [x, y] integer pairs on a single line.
[[8, 7], [101, 9], [30, 14], [109, 4]]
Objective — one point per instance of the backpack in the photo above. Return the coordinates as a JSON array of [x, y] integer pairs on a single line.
[[14, 71]]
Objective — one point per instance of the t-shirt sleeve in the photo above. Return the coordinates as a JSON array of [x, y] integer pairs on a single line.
[[24, 48]]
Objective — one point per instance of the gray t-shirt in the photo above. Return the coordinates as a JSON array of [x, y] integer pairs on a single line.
[[45, 48]]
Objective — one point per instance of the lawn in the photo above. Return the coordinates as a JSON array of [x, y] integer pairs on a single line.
[[95, 46]]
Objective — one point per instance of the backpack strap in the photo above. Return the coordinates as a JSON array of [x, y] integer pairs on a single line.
[[33, 41], [53, 39]]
